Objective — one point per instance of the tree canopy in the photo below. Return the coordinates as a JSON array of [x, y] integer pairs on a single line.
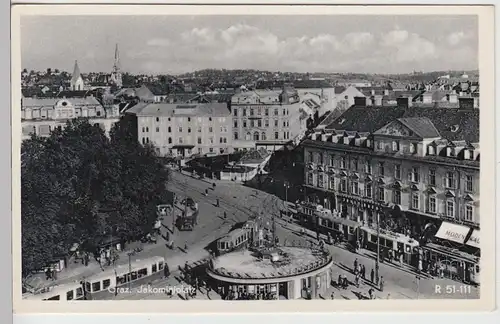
[[78, 185]]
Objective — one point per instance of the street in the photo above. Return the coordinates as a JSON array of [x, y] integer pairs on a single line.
[[240, 203]]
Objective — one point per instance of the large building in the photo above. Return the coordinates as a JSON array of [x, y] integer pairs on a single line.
[[42, 115], [266, 118], [184, 129], [415, 168]]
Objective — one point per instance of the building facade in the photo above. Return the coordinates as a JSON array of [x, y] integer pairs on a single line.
[[266, 118], [41, 116], [184, 129], [410, 170]]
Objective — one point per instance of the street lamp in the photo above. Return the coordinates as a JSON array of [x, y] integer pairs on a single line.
[[287, 186], [130, 254]]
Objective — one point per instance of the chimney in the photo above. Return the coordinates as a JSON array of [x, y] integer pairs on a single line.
[[466, 103], [386, 92], [404, 102], [378, 100], [360, 101], [373, 92]]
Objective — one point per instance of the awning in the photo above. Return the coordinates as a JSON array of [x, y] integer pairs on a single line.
[[474, 239], [346, 222], [453, 232], [181, 146]]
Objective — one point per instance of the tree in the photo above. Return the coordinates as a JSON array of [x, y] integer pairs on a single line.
[[78, 184]]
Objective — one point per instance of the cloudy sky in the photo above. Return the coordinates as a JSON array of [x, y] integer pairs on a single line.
[[177, 44]]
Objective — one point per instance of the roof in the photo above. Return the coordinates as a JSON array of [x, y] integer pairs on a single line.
[[73, 94], [422, 126], [254, 156], [51, 102], [76, 73], [172, 110], [339, 89], [370, 119]]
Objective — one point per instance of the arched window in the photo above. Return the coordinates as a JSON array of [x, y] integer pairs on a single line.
[[169, 129], [170, 140], [235, 135], [256, 136], [147, 129], [248, 136], [263, 136]]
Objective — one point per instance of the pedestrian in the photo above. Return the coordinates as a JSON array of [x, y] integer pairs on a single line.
[[356, 280], [370, 293], [225, 215], [372, 275], [381, 283], [218, 202], [355, 265], [363, 271], [332, 296], [185, 247]]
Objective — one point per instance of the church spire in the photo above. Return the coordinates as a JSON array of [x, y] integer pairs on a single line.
[[76, 79], [116, 66], [76, 73], [116, 74]]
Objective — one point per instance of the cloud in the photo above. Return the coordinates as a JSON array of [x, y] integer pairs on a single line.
[[160, 42], [456, 38]]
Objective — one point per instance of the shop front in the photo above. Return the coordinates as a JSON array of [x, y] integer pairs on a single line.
[[450, 255]]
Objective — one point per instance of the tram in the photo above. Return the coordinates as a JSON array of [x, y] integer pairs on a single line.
[[65, 292], [238, 238], [101, 285]]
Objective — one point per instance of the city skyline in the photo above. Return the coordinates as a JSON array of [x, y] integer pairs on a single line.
[[180, 44]]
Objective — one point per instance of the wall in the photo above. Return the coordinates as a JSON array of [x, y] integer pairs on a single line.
[[43, 127]]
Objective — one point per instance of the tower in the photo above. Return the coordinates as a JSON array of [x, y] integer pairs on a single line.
[[76, 79], [116, 74]]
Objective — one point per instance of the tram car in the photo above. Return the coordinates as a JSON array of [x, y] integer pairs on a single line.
[[188, 218], [239, 238], [64, 292], [307, 214], [104, 284]]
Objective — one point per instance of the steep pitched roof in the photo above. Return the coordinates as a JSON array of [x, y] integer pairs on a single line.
[[422, 126], [451, 123], [76, 73]]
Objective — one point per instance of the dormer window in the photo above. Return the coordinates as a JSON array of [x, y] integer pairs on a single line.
[[413, 148], [342, 121], [368, 143], [449, 151], [454, 128], [431, 150]]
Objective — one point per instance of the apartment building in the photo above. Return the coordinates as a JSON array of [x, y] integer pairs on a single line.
[[42, 115], [184, 129], [266, 118], [413, 171]]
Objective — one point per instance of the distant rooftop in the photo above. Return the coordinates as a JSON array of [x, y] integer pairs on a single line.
[[171, 110]]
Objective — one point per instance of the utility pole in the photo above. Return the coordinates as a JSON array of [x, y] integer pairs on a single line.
[[129, 269], [173, 213], [378, 248], [418, 285]]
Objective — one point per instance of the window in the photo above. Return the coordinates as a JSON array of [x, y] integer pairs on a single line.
[[235, 135], [396, 198], [320, 158], [106, 283], [381, 170], [235, 123], [256, 136], [189, 129], [450, 208], [244, 123], [432, 177], [199, 140], [432, 204], [143, 141], [252, 123], [354, 188], [415, 174], [379, 145], [343, 162], [70, 295], [332, 160], [189, 119], [142, 272], [266, 122], [160, 265], [469, 210], [320, 180], [275, 123], [267, 112], [397, 171], [415, 203], [355, 164], [251, 112], [210, 129], [368, 190], [211, 140], [147, 140], [381, 194], [154, 268], [259, 123], [450, 180], [143, 129], [209, 118], [264, 137], [276, 135], [147, 129], [180, 140], [276, 112], [79, 292], [211, 150], [331, 183], [169, 129], [170, 140], [259, 111], [284, 123], [368, 167], [244, 112], [235, 112], [98, 113], [395, 146], [180, 129], [431, 150], [284, 111], [310, 178], [413, 147], [343, 185], [96, 286], [310, 157], [468, 183], [157, 129]]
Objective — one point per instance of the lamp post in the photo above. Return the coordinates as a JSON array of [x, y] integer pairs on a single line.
[[287, 186], [130, 254], [377, 264]]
